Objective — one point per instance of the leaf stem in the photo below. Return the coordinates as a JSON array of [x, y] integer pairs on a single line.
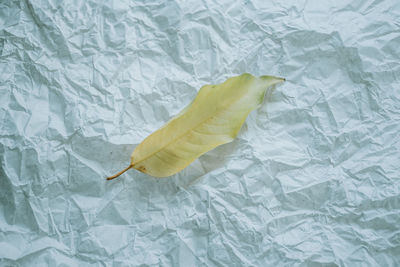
[[121, 172]]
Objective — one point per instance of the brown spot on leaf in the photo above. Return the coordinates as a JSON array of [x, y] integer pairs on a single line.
[[142, 168]]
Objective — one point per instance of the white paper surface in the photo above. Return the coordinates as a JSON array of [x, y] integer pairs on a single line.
[[312, 179]]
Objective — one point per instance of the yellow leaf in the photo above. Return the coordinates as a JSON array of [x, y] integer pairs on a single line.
[[212, 119]]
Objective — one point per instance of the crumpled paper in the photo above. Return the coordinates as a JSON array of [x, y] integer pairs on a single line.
[[311, 180]]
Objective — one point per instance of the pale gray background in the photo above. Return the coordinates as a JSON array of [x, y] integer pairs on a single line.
[[313, 178]]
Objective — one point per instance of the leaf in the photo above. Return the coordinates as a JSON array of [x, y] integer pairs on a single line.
[[212, 119]]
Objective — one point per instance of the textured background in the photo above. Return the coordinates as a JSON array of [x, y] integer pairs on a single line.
[[313, 178]]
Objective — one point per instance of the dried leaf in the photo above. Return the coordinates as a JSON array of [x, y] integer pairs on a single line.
[[212, 119]]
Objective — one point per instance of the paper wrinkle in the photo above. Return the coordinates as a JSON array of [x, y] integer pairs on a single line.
[[311, 180]]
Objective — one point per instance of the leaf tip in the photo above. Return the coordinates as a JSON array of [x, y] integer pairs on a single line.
[[272, 80]]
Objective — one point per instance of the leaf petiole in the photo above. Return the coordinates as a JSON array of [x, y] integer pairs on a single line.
[[118, 174]]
